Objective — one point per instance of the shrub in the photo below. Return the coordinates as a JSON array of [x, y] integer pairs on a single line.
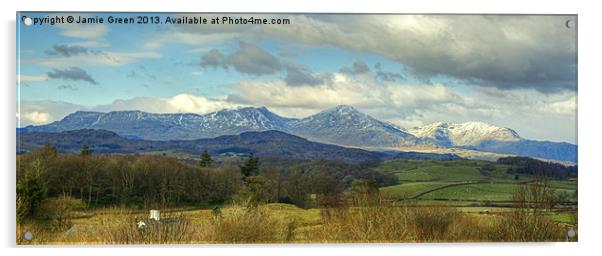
[[257, 190], [243, 225], [59, 212], [432, 223], [365, 224], [527, 222]]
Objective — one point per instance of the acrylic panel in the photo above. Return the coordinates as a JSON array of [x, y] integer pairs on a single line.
[[195, 128]]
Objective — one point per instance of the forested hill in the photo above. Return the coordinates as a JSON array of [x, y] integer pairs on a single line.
[[263, 144]]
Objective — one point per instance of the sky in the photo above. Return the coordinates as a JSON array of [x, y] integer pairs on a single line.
[[410, 70]]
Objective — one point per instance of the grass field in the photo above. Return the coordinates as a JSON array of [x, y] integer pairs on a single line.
[[458, 181], [476, 192], [284, 223], [442, 170]]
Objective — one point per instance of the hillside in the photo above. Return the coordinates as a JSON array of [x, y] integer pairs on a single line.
[[263, 144]]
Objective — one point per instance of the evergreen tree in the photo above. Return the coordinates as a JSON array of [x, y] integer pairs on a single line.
[[251, 166], [206, 160], [31, 192], [86, 151]]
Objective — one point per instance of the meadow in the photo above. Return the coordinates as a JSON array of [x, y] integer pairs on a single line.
[[285, 223], [433, 201]]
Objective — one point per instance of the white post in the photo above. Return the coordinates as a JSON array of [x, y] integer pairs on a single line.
[[155, 215]]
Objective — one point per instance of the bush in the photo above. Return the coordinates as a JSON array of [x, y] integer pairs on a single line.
[[244, 225], [59, 212], [406, 223], [257, 190], [527, 222], [365, 224], [432, 224]]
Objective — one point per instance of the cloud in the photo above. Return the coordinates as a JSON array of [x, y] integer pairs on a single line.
[[289, 52], [301, 76], [358, 67], [170, 36], [53, 110], [103, 58], [343, 89], [195, 104], [39, 112], [252, 60], [37, 117], [505, 52], [66, 50], [214, 58], [73, 73], [92, 35], [500, 51], [388, 76], [535, 115], [67, 87], [141, 73], [83, 31], [32, 78], [181, 103], [248, 59]]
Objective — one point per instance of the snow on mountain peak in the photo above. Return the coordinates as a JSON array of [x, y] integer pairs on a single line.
[[341, 110], [464, 134]]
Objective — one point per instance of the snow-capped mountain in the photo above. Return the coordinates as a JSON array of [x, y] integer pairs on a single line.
[[178, 126], [341, 125], [463, 134], [236, 121], [345, 125]]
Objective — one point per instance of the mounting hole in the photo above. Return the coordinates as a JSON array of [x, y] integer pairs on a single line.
[[569, 23], [571, 233], [27, 236], [27, 21]]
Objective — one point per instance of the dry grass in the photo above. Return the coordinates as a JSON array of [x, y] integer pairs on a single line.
[[171, 230], [382, 223], [523, 226], [280, 223], [364, 224]]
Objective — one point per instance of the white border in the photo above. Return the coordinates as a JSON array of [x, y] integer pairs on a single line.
[[589, 121]]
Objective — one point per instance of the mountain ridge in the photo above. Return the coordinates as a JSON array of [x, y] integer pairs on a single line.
[[272, 144], [340, 125]]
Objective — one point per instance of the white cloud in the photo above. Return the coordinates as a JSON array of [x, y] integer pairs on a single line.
[[32, 78], [83, 31], [37, 117], [533, 114], [163, 37], [39, 112], [181, 103], [188, 103], [506, 52], [362, 92], [92, 43], [94, 59], [92, 35]]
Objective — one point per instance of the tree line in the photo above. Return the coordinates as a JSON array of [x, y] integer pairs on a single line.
[[152, 181], [530, 166]]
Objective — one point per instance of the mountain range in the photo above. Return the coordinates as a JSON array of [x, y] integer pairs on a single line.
[[341, 125], [266, 144]]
